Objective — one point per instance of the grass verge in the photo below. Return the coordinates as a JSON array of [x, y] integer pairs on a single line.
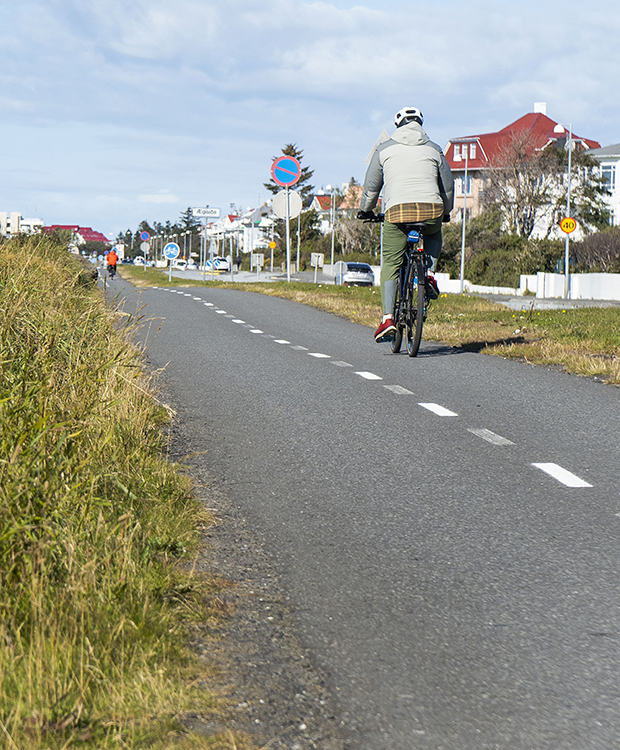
[[97, 529], [584, 341]]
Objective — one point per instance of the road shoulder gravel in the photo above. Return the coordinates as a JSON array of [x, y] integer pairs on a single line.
[[278, 696]]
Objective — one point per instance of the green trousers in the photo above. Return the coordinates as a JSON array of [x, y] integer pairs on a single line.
[[394, 244]]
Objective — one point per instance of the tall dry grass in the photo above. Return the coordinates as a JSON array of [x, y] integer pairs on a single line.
[[96, 527]]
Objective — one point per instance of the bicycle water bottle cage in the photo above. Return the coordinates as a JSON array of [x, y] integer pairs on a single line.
[[413, 237]]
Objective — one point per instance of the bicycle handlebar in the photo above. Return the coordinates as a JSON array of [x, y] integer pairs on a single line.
[[369, 217]]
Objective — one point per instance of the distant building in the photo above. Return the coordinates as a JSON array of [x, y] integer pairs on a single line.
[[483, 151], [81, 235], [609, 159], [12, 224], [322, 204]]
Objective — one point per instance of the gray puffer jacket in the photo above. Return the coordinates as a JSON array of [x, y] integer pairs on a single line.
[[411, 168]]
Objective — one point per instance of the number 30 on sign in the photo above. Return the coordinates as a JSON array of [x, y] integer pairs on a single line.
[[568, 225]]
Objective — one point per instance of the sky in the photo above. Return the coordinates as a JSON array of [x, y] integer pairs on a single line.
[[118, 111]]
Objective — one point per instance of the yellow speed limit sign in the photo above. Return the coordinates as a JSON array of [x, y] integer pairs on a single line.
[[272, 245], [568, 225]]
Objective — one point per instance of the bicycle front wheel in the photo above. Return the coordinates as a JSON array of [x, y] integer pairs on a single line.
[[398, 318], [416, 302]]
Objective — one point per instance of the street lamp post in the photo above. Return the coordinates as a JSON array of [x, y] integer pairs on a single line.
[[333, 218], [466, 144]]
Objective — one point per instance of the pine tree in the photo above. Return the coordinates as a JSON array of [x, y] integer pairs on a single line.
[[187, 221], [302, 186]]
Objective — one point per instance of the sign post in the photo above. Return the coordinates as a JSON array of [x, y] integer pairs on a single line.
[[171, 251], [286, 171], [145, 237], [316, 261], [272, 247], [205, 213], [258, 260], [568, 226]]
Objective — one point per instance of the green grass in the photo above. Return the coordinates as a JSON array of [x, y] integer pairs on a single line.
[[97, 529], [584, 341]]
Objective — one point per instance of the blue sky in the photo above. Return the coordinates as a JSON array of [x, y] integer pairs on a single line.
[[114, 111]]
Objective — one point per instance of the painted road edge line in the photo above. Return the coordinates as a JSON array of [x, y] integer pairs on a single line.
[[441, 411], [368, 375], [562, 475], [490, 437], [318, 355]]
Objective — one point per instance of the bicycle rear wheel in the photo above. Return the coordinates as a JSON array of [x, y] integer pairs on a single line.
[[416, 300]]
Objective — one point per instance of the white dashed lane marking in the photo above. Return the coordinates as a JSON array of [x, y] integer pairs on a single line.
[[369, 375], [441, 411], [489, 436], [398, 389], [555, 471], [562, 475]]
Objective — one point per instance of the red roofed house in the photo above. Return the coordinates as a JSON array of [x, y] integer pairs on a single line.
[[80, 234], [483, 151], [322, 204]]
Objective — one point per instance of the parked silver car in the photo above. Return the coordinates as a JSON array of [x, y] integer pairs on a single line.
[[358, 274]]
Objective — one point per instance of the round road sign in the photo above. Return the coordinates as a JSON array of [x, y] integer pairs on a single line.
[[172, 250], [286, 171], [145, 236], [272, 245], [568, 225], [279, 204], [145, 247]]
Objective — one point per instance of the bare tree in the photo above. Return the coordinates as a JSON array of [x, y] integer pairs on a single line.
[[529, 185], [522, 182], [355, 236]]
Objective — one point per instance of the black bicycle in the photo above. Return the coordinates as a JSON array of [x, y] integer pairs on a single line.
[[411, 302], [112, 271]]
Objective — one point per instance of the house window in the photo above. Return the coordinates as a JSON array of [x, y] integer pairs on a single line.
[[472, 150], [457, 152], [459, 185], [608, 173]]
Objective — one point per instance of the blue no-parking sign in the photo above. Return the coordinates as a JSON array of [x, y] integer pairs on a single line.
[[286, 171]]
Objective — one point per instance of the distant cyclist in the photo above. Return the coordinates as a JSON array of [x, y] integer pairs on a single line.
[[417, 186], [112, 259]]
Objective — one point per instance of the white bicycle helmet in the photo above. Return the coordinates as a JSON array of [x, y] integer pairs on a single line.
[[406, 114]]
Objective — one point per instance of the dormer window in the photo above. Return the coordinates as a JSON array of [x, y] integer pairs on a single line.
[[457, 152]]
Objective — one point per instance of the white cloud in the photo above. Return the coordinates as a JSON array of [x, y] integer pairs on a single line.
[[164, 196], [199, 95]]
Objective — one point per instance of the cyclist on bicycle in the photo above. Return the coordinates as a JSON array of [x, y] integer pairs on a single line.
[[418, 186], [112, 259]]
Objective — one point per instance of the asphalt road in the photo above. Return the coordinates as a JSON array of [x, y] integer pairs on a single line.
[[447, 527]]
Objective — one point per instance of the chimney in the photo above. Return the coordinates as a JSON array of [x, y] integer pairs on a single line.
[[540, 108]]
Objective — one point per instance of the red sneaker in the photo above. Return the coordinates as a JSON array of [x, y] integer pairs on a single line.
[[386, 331], [432, 290]]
